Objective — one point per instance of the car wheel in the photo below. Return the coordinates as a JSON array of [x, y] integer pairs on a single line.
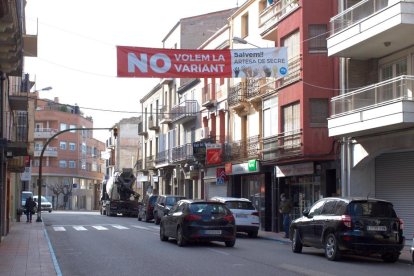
[[253, 234], [180, 237], [296, 242], [163, 237], [331, 248], [390, 257], [230, 243], [50, 211]]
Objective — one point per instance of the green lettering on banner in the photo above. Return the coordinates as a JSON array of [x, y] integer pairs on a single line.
[[252, 165]]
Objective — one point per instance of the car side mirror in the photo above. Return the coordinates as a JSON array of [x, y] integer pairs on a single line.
[[305, 212], [162, 204]]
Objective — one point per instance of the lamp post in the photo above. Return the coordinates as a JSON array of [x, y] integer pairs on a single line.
[[239, 40], [39, 180]]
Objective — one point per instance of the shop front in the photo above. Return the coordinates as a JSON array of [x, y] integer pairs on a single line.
[[215, 182]]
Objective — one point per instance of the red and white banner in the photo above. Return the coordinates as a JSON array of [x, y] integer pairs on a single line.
[[137, 62], [213, 154]]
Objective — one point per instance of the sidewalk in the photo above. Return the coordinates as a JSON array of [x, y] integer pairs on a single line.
[[25, 250]]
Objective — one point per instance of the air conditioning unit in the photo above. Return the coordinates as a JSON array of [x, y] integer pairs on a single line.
[[205, 133]]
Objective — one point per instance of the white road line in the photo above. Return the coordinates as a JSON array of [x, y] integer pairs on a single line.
[[120, 227], [218, 251], [80, 228], [303, 271], [140, 227], [59, 228], [97, 227]]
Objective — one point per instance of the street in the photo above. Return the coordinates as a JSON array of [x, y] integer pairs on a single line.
[[87, 243]]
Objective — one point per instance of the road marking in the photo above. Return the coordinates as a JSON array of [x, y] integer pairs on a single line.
[[218, 251], [303, 271], [141, 227], [120, 227], [97, 227], [59, 228], [80, 228]]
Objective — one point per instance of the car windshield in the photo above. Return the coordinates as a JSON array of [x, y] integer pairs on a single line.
[[372, 209], [245, 205], [208, 208]]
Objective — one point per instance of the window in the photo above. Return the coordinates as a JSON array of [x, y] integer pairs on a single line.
[[319, 109], [72, 146], [316, 209], [63, 126], [292, 42], [392, 90], [329, 207], [72, 164], [62, 164], [62, 145], [270, 117], [291, 126], [317, 38], [245, 25], [94, 167], [83, 148], [72, 126]]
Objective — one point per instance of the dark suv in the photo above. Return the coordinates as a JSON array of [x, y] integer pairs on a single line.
[[363, 226], [146, 209], [163, 206]]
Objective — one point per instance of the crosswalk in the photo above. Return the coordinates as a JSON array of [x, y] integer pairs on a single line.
[[105, 227]]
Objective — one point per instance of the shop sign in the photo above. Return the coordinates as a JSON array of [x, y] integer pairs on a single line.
[[295, 169], [221, 176], [213, 155], [252, 165], [244, 168], [155, 178], [142, 178]]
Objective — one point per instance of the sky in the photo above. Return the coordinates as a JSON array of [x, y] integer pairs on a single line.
[[77, 42]]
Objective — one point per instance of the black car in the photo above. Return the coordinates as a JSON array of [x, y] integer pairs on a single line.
[[363, 226], [146, 208], [163, 206], [199, 220]]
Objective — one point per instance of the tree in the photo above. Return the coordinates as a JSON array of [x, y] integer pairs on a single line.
[[57, 189], [66, 191]]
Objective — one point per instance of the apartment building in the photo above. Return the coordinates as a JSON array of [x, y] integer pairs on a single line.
[[278, 127], [373, 114], [72, 164], [171, 117], [15, 128]]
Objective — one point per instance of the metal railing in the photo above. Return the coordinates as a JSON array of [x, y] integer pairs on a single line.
[[275, 12], [149, 162], [356, 13], [392, 90], [162, 157], [242, 149], [286, 144], [187, 108], [182, 153], [237, 94]]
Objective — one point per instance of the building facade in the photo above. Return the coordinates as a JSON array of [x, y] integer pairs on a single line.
[[372, 117]]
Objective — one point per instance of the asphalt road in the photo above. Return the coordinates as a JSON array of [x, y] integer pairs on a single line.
[[88, 243]]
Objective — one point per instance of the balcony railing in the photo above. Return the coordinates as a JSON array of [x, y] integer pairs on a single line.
[[208, 95], [44, 133], [141, 129], [275, 12], [162, 157], [356, 13], [165, 117], [49, 152], [184, 111], [182, 153], [242, 149], [149, 162], [283, 145], [139, 165], [19, 129], [153, 122], [237, 94], [396, 89]]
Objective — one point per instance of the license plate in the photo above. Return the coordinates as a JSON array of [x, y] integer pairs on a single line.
[[377, 228], [212, 232], [241, 216]]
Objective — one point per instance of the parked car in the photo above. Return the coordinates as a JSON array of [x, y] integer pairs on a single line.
[[247, 217], [46, 205], [163, 206], [199, 220], [363, 226], [146, 209]]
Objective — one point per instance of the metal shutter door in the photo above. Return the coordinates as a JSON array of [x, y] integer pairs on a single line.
[[394, 177], [216, 190]]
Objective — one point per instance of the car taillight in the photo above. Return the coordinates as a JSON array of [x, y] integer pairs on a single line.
[[255, 214], [401, 224], [192, 217], [346, 220], [229, 218]]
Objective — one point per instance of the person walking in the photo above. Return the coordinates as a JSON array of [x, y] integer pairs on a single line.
[[285, 207], [29, 205]]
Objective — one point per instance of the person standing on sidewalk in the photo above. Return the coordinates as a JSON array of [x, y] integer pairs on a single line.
[[285, 207], [29, 205]]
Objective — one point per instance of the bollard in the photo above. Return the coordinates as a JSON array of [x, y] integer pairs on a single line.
[[18, 214]]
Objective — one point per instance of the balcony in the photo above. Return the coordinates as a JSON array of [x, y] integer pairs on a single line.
[[49, 152], [380, 107], [16, 164], [153, 122], [17, 133], [182, 153], [163, 158], [142, 129], [165, 117], [257, 88], [209, 96], [44, 133], [184, 112], [139, 165], [150, 162], [244, 149], [372, 29], [237, 98], [272, 15], [18, 100], [282, 146]]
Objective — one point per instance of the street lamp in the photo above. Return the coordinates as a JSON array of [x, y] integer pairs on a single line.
[[239, 40]]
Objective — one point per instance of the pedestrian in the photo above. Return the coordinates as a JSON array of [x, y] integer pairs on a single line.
[[285, 207], [29, 205]]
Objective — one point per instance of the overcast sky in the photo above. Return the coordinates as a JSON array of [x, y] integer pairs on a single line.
[[77, 42]]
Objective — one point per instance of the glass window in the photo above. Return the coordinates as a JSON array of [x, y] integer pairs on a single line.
[[292, 43], [319, 112], [63, 126], [329, 207], [316, 209], [62, 145], [270, 117], [291, 126], [317, 38], [72, 126], [340, 208], [72, 164], [62, 164], [245, 25], [72, 146]]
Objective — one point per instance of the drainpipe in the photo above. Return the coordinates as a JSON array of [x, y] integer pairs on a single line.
[[349, 166], [344, 143]]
